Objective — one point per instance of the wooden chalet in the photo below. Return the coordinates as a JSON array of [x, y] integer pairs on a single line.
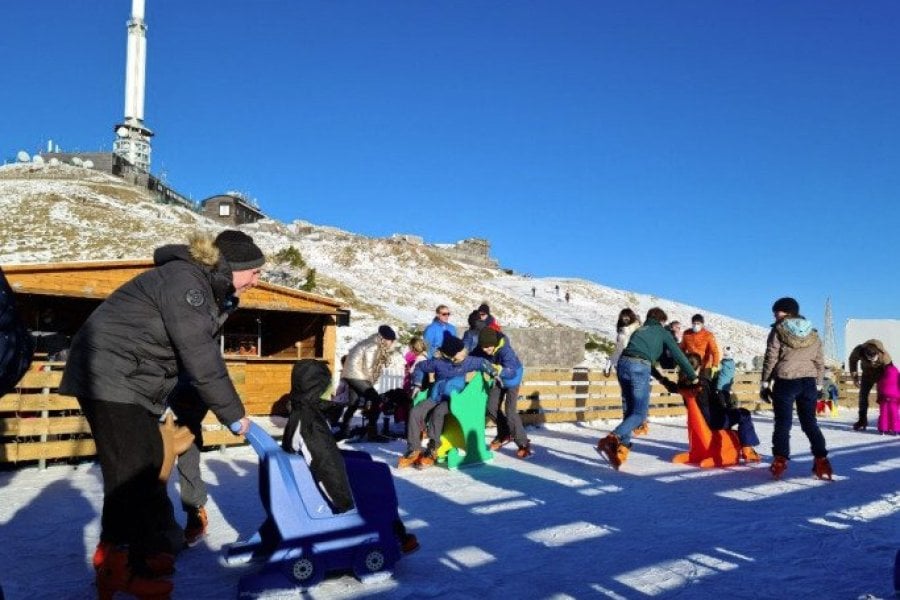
[[273, 327]]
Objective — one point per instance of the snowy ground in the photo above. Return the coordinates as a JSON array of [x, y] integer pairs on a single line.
[[561, 525]]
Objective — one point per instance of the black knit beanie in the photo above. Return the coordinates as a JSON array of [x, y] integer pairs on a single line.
[[484, 308], [488, 338], [451, 345], [387, 333], [786, 305], [238, 249]]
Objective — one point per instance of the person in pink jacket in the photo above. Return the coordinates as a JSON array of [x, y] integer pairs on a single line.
[[889, 400]]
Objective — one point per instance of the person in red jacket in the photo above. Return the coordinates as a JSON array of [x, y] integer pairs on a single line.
[[699, 340]]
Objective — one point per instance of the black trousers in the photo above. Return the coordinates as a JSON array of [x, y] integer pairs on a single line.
[[136, 508], [365, 394]]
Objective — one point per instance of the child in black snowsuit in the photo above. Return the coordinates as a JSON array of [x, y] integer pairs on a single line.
[[308, 433], [718, 413]]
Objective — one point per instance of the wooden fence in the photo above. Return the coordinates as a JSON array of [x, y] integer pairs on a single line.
[[39, 424]]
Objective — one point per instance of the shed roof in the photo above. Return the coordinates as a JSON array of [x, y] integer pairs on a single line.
[[98, 279]]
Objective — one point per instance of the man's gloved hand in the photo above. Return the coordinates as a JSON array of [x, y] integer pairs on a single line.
[[856, 379], [765, 394]]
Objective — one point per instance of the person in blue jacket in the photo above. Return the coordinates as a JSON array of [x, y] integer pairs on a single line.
[[434, 333], [724, 378], [495, 346], [449, 367]]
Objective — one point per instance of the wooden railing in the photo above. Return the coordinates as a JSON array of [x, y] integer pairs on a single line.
[[39, 424], [571, 395]]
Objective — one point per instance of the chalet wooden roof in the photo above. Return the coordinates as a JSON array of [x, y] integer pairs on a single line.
[[98, 279]]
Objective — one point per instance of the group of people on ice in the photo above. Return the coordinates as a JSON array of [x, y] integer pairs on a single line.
[[153, 347]]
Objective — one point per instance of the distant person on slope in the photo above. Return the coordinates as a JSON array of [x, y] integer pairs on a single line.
[[870, 357], [791, 376], [434, 333], [700, 340], [634, 370]]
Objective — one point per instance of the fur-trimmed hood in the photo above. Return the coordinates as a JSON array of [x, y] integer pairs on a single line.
[[202, 251], [796, 332]]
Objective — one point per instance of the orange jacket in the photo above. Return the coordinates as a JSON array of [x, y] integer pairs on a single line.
[[704, 344]]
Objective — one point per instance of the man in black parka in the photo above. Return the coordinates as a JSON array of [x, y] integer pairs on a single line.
[[124, 362]]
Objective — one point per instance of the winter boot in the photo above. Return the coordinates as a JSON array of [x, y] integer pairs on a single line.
[[100, 554], [749, 454], [196, 525], [613, 450], [861, 424], [409, 459], [642, 429], [778, 467], [822, 468], [524, 451], [427, 458], [161, 564], [498, 443], [409, 544], [116, 575]]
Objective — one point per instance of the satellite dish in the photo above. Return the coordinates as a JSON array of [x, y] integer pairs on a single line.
[[37, 159], [54, 162], [88, 164], [22, 156], [76, 161], [122, 132]]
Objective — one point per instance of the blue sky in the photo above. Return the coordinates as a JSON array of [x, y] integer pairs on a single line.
[[717, 153]]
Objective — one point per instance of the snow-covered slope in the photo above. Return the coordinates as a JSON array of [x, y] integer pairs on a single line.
[[69, 213]]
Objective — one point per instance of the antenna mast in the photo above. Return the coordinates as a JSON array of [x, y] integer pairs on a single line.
[[132, 136], [830, 349]]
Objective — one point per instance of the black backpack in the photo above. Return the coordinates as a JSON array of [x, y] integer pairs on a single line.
[[16, 343]]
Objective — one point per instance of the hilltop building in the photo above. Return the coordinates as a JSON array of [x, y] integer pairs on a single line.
[[231, 208]]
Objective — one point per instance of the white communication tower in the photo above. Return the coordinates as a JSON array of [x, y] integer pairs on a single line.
[[830, 347]]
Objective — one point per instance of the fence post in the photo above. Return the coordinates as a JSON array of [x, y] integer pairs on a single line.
[[45, 414]]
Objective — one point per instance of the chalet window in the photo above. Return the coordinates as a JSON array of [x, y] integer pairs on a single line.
[[224, 210]]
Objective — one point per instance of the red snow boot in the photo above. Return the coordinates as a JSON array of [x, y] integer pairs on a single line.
[[196, 525], [524, 451], [779, 466], [822, 468], [409, 544], [116, 575], [498, 443]]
